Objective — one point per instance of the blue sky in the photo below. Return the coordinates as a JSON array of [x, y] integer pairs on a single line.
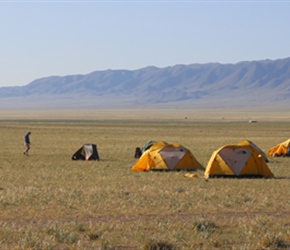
[[45, 38]]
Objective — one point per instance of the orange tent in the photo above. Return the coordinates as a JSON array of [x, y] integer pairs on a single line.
[[163, 156], [280, 149], [240, 160]]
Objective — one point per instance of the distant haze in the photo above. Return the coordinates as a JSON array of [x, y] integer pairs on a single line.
[[257, 84]]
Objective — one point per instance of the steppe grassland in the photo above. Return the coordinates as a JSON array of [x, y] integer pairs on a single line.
[[48, 201]]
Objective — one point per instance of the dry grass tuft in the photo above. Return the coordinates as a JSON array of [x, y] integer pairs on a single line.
[[158, 245], [273, 241], [205, 227]]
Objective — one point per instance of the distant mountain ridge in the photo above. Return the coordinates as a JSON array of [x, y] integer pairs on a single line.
[[244, 84]]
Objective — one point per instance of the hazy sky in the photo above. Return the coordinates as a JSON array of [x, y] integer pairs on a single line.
[[45, 38]]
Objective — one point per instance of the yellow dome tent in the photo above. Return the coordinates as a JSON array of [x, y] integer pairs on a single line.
[[240, 160], [163, 156], [280, 149]]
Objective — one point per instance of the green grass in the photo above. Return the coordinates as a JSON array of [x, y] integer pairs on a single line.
[[48, 201]]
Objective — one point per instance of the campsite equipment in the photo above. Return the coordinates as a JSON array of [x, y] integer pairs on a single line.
[[240, 160], [138, 152], [164, 156], [87, 152], [280, 149], [256, 147], [147, 145]]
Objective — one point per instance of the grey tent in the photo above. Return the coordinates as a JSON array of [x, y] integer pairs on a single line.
[[87, 152], [147, 145]]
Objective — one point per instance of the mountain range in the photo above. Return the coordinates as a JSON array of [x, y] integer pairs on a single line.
[[247, 84]]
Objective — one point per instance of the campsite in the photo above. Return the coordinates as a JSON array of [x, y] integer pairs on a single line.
[[49, 201]]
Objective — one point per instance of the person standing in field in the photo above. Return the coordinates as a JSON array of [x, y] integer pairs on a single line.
[[27, 142]]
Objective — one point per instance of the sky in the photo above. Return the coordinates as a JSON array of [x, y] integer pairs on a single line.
[[58, 38]]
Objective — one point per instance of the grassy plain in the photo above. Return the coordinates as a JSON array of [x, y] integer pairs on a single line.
[[48, 201]]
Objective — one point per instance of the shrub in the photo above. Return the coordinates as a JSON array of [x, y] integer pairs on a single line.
[[158, 245]]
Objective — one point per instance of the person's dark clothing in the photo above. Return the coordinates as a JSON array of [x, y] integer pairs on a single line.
[[26, 138]]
